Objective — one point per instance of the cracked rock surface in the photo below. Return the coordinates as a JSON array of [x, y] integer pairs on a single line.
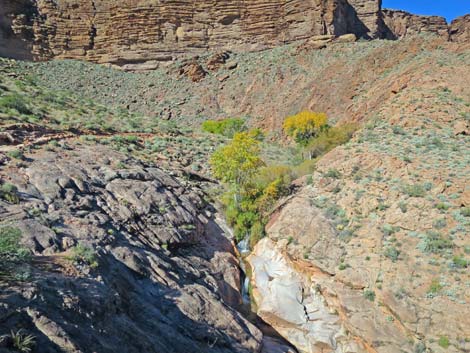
[[165, 278]]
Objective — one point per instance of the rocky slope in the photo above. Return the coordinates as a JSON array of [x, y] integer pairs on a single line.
[[165, 277], [373, 255], [348, 81]]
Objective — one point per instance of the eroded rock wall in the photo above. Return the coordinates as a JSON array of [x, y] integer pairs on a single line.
[[460, 29], [142, 30], [400, 24]]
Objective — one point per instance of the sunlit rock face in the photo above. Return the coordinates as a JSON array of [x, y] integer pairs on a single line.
[[137, 31]]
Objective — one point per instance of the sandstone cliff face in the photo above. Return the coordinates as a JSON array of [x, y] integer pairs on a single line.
[[460, 29], [139, 31], [401, 24]]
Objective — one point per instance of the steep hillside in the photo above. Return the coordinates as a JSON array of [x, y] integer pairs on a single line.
[[349, 81]]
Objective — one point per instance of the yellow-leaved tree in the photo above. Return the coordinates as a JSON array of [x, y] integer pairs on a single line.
[[305, 125], [237, 162]]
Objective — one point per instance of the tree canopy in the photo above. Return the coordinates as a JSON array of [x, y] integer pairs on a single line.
[[238, 161]]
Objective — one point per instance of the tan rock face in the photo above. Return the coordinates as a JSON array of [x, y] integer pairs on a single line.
[[139, 31], [460, 29], [400, 24]]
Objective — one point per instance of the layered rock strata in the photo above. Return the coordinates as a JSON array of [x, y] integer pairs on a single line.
[[141, 31], [460, 29], [400, 24]]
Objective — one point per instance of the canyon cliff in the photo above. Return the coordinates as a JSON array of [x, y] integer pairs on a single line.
[[143, 31]]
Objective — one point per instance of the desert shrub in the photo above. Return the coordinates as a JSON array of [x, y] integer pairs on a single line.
[[12, 254], [392, 253], [444, 342], [439, 223], [414, 190], [435, 287], [333, 173], [441, 206], [328, 139], [305, 125], [9, 193], [369, 295], [16, 154], [10, 248], [465, 211], [84, 254], [388, 229], [17, 102], [226, 127], [403, 206], [435, 243], [460, 262]]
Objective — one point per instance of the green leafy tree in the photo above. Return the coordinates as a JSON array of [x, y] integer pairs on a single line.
[[238, 161]]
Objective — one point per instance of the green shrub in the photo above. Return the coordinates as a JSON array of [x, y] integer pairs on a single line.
[[435, 287], [460, 262], [9, 193], [392, 253], [83, 254], [17, 102], [257, 233], [11, 249], [369, 295], [435, 243], [441, 206], [309, 180], [226, 127], [16, 154], [13, 256], [444, 342], [414, 190], [439, 223], [403, 206], [333, 173], [388, 229], [465, 211]]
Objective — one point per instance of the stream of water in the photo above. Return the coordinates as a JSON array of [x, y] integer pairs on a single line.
[[244, 250]]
